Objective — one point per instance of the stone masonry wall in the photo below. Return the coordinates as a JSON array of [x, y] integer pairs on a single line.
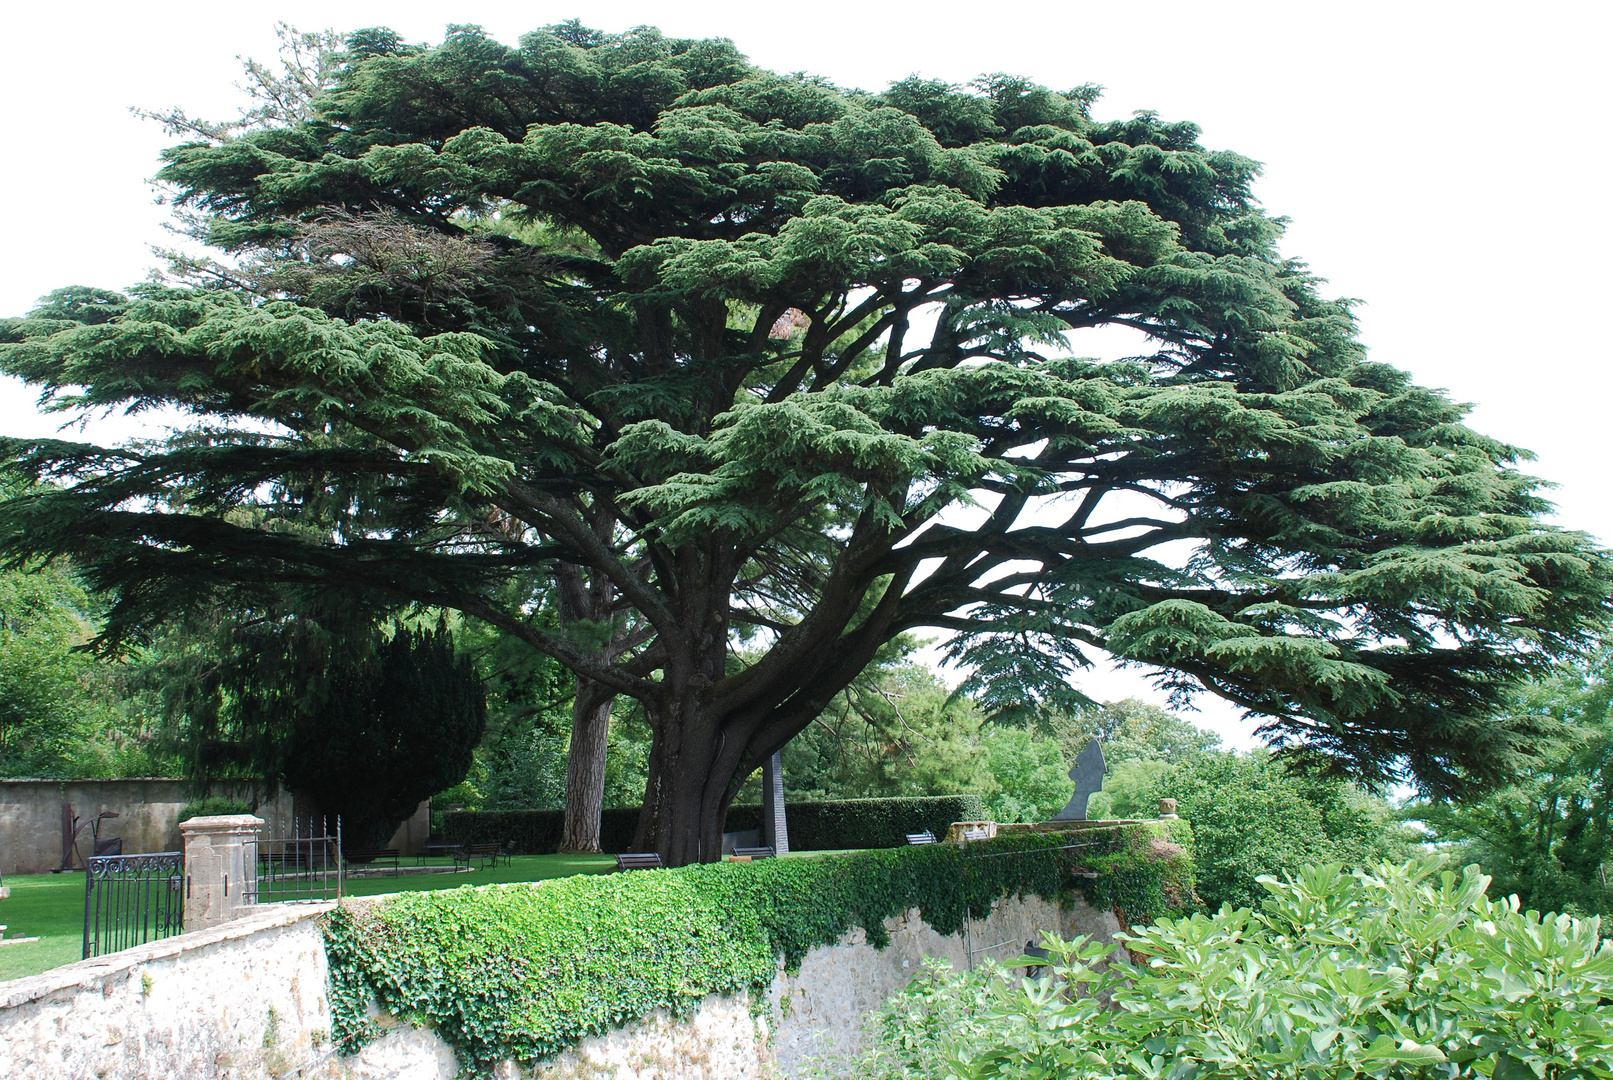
[[815, 1016], [247, 1000], [242, 1000]]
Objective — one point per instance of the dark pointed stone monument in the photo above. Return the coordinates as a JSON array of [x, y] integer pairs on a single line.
[[1088, 777], [775, 832]]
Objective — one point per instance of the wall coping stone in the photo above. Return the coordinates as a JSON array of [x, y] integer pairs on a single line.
[[90, 974], [221, 823], [101, 779]]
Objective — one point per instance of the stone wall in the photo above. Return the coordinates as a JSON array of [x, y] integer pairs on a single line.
[[148, 817], [820, 1012], [811, 1019], [147, 809], [247, 1000]]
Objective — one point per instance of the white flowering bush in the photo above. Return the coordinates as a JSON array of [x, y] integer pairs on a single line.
[[1403, 971]]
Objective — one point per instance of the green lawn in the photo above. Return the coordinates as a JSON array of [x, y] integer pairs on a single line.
[[51, 906]]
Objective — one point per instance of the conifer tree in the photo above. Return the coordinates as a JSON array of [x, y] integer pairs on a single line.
[[747, 354], [323, 701]]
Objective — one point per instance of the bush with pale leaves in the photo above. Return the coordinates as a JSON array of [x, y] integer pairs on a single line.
[[1402, 971]]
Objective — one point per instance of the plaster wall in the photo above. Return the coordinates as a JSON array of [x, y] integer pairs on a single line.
[[148, 817], [147, 809]]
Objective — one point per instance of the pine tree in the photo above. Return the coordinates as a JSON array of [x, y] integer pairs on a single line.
[[747, 354]]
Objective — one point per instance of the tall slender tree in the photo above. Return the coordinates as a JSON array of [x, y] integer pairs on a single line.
[[745, 351]]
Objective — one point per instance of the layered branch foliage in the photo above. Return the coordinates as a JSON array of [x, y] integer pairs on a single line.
[[816, 353]]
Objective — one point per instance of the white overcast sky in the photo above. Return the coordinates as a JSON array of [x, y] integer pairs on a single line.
[[1441, 162]]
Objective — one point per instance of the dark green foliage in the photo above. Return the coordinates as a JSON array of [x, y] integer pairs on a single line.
[[814, 825], [389, 733], [537, 832], [832, 825], [1547, 836], [524, 972], [1151, 871], [213, 807], [521, 762], [732, 343], [329, 704]]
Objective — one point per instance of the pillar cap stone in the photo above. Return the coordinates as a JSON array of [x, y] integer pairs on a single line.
[[222, 823]]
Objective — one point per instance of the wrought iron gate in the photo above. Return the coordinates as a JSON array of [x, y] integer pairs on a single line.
[[132, 899], [302, 866]]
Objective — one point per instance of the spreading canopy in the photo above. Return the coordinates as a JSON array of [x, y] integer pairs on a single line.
[[801, 367]]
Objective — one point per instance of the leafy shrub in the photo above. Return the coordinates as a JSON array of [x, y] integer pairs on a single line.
[[1405, 971], [1252, 816], [525, 971], [213, 807], [1031, 778], [814, 826]]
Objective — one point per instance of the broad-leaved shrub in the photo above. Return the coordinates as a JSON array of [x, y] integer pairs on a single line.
[[1401, 971]]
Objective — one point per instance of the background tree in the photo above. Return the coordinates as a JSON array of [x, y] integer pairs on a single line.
[[368, 721], [63, 712], [1133, 730], [1252, 816], [897, 730], [1546, 836], [388, 733], [746, 346]]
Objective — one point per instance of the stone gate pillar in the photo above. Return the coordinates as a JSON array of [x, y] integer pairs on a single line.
[[220, 868]]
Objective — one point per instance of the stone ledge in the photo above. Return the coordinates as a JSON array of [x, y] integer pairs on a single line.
[[90, 974], [1009, 829]]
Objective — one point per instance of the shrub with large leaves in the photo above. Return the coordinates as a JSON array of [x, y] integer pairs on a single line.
[[1403, 971]]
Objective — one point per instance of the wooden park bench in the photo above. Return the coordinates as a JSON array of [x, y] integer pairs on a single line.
[[373, 857], [639, 860], [976, 834], [753, 853], [489, 854], [925, 837], [438, 851]]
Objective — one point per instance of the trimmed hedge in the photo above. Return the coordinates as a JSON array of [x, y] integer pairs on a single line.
[[214, 807], [814, 826], [525, 971], [874, 823]]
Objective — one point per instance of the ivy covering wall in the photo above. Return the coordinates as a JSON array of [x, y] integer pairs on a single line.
[[826, 825], [525, 971]]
